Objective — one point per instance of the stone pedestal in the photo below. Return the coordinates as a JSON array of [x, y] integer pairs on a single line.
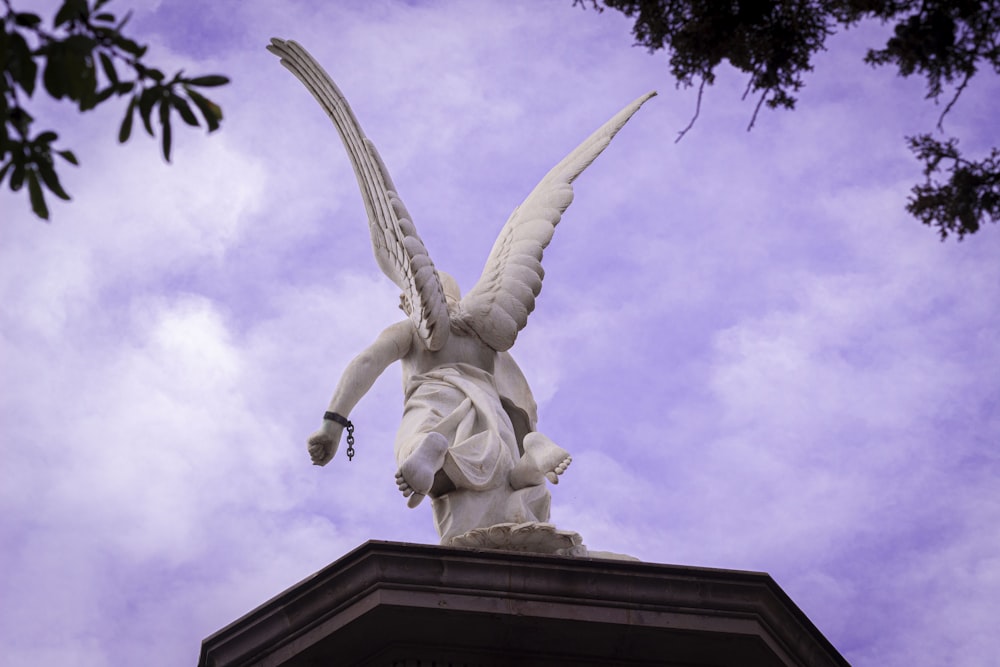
[[410, 605]]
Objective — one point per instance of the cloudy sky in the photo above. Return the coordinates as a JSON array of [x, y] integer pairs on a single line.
[[756, 357]]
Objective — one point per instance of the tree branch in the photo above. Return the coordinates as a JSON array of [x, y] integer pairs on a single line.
[[697, 112]]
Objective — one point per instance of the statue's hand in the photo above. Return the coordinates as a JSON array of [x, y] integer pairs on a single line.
[[324, 442]]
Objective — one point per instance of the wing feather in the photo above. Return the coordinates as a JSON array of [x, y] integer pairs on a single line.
[[398, 249], [497, 308]]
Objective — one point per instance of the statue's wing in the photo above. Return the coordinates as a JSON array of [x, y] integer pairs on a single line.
[[398, 250], [497, 307]]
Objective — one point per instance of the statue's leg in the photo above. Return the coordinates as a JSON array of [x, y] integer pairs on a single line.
[[417, 473], [542, 459], [442, 484]]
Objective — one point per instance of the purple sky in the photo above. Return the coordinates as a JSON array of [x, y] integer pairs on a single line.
[[756, 357]]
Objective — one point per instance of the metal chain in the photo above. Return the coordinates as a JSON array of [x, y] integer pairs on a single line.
[[350, 441], [346, 423]]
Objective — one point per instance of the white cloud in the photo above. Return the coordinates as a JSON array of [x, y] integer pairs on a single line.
[[756, 358]]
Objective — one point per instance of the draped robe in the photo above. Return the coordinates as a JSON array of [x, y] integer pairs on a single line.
[[464, 404]]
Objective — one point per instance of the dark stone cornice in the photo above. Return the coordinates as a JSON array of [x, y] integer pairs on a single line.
[[406, 604]]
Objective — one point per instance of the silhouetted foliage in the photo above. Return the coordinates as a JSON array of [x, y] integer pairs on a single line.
[[83, 57], [970, 193], [773, 41]]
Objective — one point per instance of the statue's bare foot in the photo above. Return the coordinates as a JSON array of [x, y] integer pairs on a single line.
[[542, 459], [415, 476]]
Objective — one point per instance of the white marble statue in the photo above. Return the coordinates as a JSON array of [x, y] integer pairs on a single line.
[[467, 437]]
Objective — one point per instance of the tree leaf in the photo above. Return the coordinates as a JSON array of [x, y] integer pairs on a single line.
[[146, 102], [27, 20], [20, 118], [109, 69], [184, 109], [80, 44], [17, 176], [54, 76], [76, 76], [71, 10], [4, 169], [20, 61], [165, 122], [208, 81], [69, 156], [125, 19], [84, 88], [46, 137], [37, 196], [126, 128], [51, 179], [103, 95], [128, 45], [209, 109]]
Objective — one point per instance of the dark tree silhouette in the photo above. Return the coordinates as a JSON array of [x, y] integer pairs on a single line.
[[946, 42], [83, 57]]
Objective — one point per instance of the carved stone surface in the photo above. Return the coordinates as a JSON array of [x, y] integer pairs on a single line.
[[468, 435], [534, 537], [402, 604]]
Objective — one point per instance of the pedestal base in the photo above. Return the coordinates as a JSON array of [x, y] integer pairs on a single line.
[[530, 537], [408, 605]]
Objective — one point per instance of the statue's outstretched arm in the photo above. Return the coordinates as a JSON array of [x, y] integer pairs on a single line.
[[359, 376]]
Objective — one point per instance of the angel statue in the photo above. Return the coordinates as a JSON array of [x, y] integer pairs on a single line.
[[467, 437]]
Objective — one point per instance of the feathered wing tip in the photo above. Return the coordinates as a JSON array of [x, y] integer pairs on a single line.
[[497, 308], [398, 249], [584, 155]]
